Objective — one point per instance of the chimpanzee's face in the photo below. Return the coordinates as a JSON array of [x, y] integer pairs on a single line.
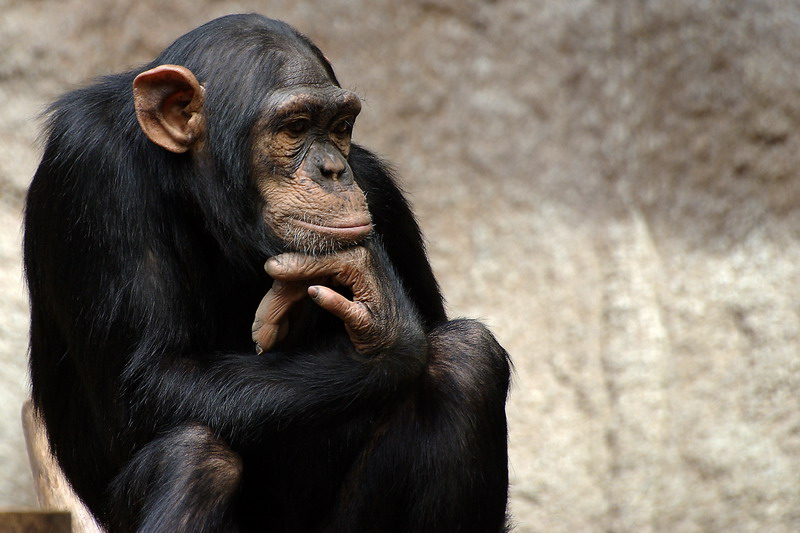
[[300, 150]]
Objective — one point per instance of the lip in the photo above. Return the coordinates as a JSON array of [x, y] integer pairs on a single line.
[[347, 231]]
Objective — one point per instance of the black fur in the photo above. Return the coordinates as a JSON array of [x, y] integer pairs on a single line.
[[145, 268]]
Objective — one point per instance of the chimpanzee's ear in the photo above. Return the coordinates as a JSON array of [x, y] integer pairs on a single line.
[[169, 106]]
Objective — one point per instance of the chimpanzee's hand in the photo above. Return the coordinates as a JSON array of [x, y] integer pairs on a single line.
[[271, 324], [372, 319]]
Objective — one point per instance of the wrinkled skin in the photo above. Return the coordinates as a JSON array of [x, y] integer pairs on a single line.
[[300, 164], [367, 318]]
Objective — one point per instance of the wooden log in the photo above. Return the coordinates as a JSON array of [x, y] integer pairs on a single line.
[[53, 491], [35, 522]]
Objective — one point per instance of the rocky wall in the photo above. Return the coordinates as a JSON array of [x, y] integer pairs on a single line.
[[611, 185]]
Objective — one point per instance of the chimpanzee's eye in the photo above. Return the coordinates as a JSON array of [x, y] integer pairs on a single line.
[[297, 127], [343, 127]]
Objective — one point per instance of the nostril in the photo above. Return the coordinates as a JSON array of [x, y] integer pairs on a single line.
[[328, 173], [331, 167]]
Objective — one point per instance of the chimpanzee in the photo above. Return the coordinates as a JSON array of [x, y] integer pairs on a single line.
[[212, 200]]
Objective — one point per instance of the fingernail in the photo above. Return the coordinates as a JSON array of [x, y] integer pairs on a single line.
[[259, 350], [313, 291]]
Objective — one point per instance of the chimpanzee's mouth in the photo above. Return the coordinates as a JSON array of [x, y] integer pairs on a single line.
[[345, 230]]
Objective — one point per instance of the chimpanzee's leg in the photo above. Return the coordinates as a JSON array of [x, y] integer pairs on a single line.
[[439, 462], [184, 481]]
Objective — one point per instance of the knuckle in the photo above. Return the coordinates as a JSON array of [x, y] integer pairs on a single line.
[[291, 265], [360, 317]]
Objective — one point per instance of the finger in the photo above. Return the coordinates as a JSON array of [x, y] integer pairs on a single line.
[[269, 335], [278, 300], [297, 267], [353, 314], [270, 326], [293, 266]]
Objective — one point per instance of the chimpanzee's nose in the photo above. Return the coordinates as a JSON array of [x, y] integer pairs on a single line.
[[331, 163]]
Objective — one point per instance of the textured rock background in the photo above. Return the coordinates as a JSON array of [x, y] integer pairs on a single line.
[[611, 185]]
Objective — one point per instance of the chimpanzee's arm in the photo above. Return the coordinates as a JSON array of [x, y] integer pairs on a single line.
[[234, 393]]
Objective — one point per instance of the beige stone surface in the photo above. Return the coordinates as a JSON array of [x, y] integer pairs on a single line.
[[612, 186]]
